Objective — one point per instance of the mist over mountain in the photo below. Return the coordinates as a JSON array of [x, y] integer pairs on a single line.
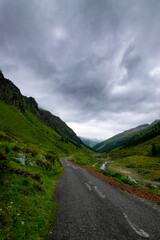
[[90, 142]]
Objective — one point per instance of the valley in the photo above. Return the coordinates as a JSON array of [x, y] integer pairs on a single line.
[[38, 148]]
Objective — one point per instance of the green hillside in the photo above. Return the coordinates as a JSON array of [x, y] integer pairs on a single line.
[[29, 129], [151, 132], [11, 95], [32, 141], [141, 160], [119, 139]]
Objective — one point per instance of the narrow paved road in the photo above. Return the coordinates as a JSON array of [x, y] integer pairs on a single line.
[[91, 209]]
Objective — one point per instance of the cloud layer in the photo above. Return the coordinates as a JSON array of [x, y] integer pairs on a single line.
[[94, 63]]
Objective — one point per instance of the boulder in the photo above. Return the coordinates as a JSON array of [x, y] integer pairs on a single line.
[[43, 158], [33, 164]]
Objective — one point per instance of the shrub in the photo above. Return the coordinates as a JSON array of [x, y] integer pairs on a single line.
[[154, 150], [51, 158], [16, 149], [3, 161], [29, 150], [5, 147], [126, 180]]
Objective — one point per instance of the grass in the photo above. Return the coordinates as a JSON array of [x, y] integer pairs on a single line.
[[27, 201], [138, 160], [118, 177], [113, 170], [27, 128], [147, 167], [144, 149], [87, 160], [94, 163]]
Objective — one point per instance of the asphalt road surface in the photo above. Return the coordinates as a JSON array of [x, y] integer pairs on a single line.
[[91, 209]]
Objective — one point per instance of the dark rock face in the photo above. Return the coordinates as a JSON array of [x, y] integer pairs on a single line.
[[10, 94]]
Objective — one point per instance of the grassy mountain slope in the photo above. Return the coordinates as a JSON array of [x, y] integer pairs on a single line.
[[10, 94], [140, 159], [32, 141], [29, 129], [151, 132], [119, 139]]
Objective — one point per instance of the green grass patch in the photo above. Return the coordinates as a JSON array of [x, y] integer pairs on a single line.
[[87, 160], [27, 128], [117, 176], [93, 162], [27, 201], [147, 167]]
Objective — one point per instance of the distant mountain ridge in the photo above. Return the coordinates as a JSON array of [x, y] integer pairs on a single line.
[[127, 137], [10, 94], [90, 142]]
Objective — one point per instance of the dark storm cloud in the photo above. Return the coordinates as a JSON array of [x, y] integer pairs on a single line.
[[86, 60]]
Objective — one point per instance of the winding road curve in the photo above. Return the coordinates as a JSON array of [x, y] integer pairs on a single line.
[[91, 209]]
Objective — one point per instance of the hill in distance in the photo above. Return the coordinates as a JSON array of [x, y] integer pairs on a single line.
[[90, 142], [128, 137]]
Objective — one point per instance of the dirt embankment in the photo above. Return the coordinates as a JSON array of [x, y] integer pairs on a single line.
[[132, 190]]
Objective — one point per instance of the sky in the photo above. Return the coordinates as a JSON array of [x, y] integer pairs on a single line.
[[94, 63]]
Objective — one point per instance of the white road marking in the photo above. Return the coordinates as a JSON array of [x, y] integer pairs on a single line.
[[88, 186], [139, 231], [68, 165], [99, 192]]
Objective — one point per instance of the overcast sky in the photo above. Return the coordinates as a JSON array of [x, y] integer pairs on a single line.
[[94, 63]]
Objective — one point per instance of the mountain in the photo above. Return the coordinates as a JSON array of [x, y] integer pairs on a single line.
[[155, 121], [149, 133], [21, 118], [120, 139], [90, 142]]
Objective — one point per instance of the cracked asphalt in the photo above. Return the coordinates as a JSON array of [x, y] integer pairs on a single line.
[[91, 209]]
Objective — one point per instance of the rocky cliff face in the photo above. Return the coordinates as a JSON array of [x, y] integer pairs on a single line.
[[10, 94]]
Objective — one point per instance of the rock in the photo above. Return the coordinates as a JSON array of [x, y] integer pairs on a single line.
[[35, 176], [44, 160], [19, 171], [33, 164], [22, 158], [132, 180], [152, 186]]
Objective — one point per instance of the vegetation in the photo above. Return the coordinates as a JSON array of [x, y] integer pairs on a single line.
[[119, 139], [27, 207], [11, 95], [27, 128], [94, 163], [119, 170], [151, 132], [31, 143], [147, 168], [87, 160], [130, 138], [141, 161]]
